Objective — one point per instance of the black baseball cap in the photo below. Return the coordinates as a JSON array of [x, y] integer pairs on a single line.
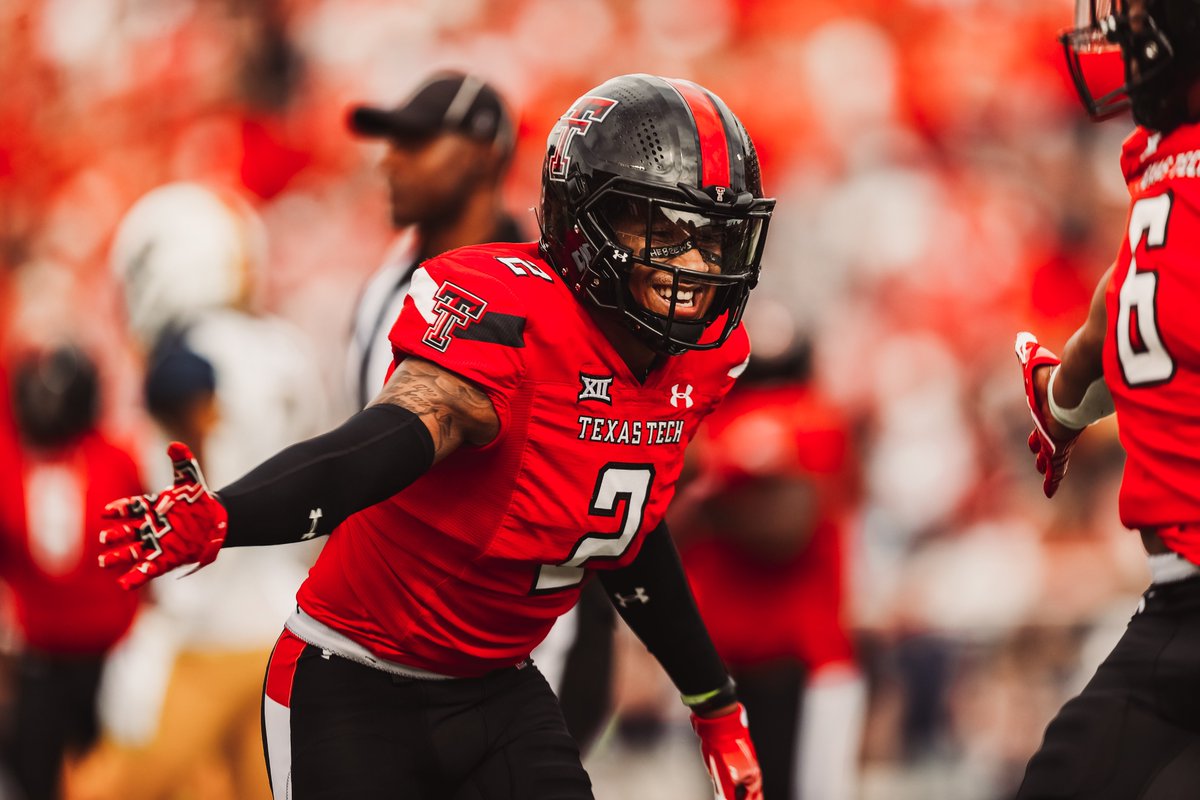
[[447, 101]]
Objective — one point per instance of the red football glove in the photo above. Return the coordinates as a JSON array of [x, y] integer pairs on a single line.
[[184, 524], [1052, 452], [729, 755]]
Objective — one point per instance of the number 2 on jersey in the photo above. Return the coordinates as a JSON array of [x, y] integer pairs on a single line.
[[624, 487], [1145, 360]]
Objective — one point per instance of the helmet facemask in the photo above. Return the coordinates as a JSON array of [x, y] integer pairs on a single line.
[[1118, 62], [673, 263]]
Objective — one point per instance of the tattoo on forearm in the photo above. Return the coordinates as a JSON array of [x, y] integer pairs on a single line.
[[459, 410]]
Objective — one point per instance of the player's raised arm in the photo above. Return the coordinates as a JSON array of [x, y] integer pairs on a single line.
[[422, 415]]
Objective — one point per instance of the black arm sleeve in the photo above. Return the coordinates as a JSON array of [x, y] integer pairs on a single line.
[[653, 597], [309, 488]]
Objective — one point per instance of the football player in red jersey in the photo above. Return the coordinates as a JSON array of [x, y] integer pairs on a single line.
[[539, 404], [761, 532], [57, 470], [1134, 731], [449, 147]]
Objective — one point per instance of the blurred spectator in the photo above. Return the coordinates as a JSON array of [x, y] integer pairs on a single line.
[[57, 470], [181, 391], [235, 385], [762, 535]]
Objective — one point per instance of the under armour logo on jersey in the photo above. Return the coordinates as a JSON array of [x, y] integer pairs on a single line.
[[620, 255], [315, 516], [684, 396], [639, 595], [595, 387], [455, 308]]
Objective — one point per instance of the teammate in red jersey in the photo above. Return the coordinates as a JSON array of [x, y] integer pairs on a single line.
[[540, 401], [761, 534], [56, 473], [1134, 731]]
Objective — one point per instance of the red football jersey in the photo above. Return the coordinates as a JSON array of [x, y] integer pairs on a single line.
[[467, 569], [50, 540], [1152, 345], [758, 611]]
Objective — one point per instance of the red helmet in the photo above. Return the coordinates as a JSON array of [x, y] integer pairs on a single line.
[[642, 170], [1119, 60]]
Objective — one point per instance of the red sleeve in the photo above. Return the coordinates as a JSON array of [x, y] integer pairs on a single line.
[[468, 322]]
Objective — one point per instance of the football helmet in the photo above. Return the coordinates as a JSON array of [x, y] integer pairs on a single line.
[[653, 183], [182, 249], [55, 395], [1138, 55]]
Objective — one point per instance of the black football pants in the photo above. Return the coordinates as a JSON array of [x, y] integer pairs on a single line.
[[1134, 731], [346, 730], [55, 714], [585, 691], [773, 695]]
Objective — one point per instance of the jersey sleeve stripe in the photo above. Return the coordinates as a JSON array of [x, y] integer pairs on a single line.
[[497, 328]]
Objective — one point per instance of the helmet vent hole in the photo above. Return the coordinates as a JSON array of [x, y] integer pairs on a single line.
[[649, 141]]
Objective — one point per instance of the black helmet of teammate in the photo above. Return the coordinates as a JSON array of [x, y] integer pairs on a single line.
[[663, 163], [55, 395], [1160, 53]]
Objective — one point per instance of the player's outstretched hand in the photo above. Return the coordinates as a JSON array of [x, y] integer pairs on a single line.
[[729, 755], [1050, 442], [155, 533]]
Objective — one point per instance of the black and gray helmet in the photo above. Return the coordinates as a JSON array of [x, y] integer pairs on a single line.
[[668, 152]]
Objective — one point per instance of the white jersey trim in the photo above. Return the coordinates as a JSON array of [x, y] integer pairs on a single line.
[[318, 634]]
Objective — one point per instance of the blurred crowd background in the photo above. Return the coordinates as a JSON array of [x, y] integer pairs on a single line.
[[938, 190]]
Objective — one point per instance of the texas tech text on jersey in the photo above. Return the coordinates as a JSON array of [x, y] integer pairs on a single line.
[[632, 432]]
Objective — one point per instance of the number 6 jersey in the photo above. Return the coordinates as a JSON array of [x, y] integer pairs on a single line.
[[466, 569], [1152, 345]]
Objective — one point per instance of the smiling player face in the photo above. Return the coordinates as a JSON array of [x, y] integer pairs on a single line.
[[653, 289], [681, 239]]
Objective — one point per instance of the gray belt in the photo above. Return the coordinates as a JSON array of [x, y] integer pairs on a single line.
[[318, 634]]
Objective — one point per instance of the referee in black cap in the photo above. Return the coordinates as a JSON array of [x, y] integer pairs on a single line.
[[449, 146]]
